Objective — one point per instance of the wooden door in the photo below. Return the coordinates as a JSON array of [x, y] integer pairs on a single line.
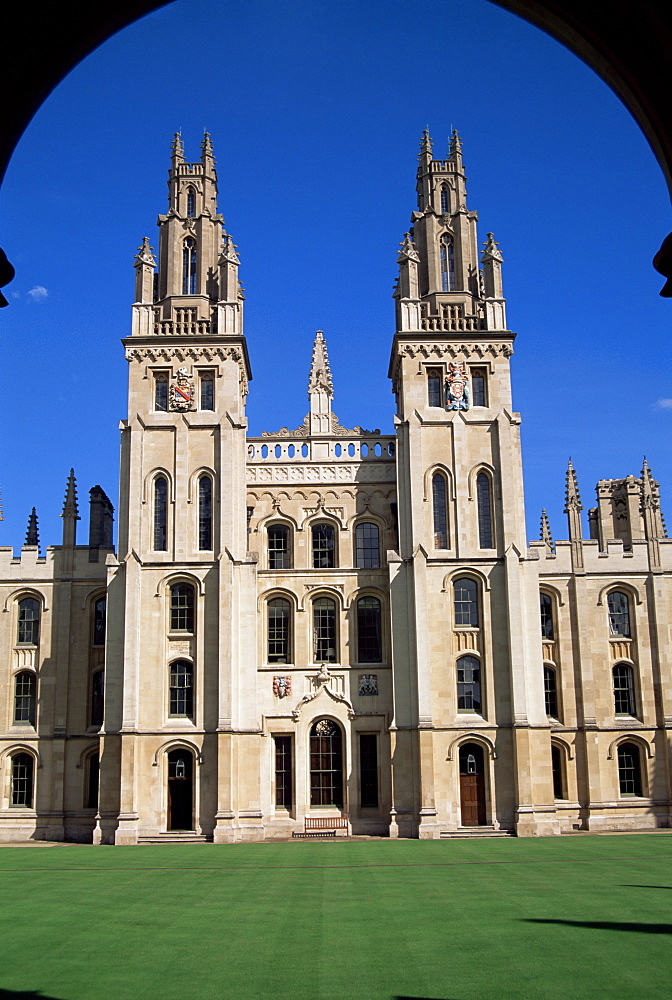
[[472, 785]]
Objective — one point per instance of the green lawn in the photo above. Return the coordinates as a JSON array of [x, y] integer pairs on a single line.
[[581, 918]]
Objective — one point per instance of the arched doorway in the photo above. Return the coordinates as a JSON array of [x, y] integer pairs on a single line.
[[472, 785], [180, 789]]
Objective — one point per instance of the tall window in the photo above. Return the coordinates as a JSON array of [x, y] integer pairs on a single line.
[[439, 511], [551, 692], [181, 607], [368, 771], [181, 689], [367, 546], [546, 612], [160, 514], [205, 513], [207, 391], [279, 633], [434, 387], [629, 769], [468, 684], [478, 385], [369, 644], [324, 546], [444, 200], [93, 781], [161, 391], [24, 698], [557, 765], [619, 614], [29, 622], [21, 794], [325, 648], [447, 258], [466, 602], [283, 771], [99, 614], [189, 266], [326, 764], [279, 553], [191, 203], [98, 698], [624, 689], [484, 505]]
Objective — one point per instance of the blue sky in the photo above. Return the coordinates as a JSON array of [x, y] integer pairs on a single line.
[[315, 111]]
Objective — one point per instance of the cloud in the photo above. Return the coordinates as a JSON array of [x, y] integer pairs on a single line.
[[663, 404], [38, 293]]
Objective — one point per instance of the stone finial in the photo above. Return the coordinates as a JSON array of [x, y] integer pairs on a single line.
[[320, 373], [70, 507], [491, 250], [228, 253], [408, 251], [545, 534], [455, 144], [206, 147], [32, 535], [177, 147], [425, 146], [144, 254], [572, 495]]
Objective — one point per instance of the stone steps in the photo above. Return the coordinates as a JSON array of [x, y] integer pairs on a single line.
[[473, 833], [175, 838]]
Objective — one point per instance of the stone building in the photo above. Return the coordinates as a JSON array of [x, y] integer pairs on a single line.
[[325, 622]]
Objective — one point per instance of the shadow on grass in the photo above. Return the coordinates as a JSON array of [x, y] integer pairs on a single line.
[[628, 885], [605, 925], [25, 995], [418, 998]]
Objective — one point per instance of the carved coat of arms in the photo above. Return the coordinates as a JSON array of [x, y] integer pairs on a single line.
[[181, 392], [458, 396], [368, 684], [282, 686]]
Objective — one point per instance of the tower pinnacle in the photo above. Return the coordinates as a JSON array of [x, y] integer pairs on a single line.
[[32, 536], [320, 387], [546, 535]]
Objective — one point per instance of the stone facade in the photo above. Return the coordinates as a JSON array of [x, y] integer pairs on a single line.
[[323, 622]]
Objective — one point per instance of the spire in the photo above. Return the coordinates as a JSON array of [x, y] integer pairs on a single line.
[[177, 149], [32, 536], [491, 259], [425, 156], [573, 508], [455, 144], [654, 524], [144, 254], [320, 387], [572, 496], [545, 534], [206, 148], [408, 251], [144, 265], [228, 253], [70, 513]]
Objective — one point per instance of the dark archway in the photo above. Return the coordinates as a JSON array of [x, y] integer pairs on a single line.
[[472, 785], [180, 789]]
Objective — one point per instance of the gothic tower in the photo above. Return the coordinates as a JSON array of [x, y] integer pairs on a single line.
[[469, 702], [177, 592]]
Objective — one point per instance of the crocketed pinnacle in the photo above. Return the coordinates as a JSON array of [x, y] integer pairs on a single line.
[[572, 496], [206, 147], [546, 535], [70, 508], [178, 148], [426, 144], [455, 143], [320, 373], [32, 535], [408, 251], [491, 249], [144, 254], [228, 253]]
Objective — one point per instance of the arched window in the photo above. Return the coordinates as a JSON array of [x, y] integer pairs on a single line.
[[551, 692], [279, 631], [629, 769], [434, 387], [445, 204], [181, 689], [468, 684], [447, 258], [367, 546], [161, 391], [160, 514], [181, 607], [99, 615], [191, 203], [24, 698], [326, 764], [369, 623], [97, 698], [92, 781], [324, 546], [546, 612], [325, 640], [624, 689], [619, 614], [465, 593], [21, 794], [558, 769], [207, 391], [205, 513], [484, 505], [478, 387], [279, 548], [29, 622], [189, 266], [440, 511]]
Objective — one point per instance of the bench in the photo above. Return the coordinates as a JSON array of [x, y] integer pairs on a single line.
[[322, 826]]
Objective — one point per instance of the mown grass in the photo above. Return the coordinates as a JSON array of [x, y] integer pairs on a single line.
[[558, 919]]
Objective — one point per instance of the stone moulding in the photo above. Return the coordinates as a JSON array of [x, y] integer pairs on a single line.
[[170, 353], [336, 429]]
